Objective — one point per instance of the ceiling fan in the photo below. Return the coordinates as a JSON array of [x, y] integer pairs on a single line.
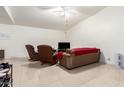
[[65, 11]]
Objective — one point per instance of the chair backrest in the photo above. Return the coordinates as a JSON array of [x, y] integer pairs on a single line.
[[45, 53], [30, 50]]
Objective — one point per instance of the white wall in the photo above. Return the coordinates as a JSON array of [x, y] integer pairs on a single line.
[[104, 30], [19, 36]]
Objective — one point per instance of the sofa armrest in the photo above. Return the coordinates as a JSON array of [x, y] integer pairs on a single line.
[[68, 51], [66, 54]]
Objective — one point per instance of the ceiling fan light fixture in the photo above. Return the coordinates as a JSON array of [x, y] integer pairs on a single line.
[[63, 11]]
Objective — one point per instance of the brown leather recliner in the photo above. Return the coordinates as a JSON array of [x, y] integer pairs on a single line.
[[46, 54], [32, 54]]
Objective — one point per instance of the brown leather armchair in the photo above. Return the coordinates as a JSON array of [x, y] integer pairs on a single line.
[[46, 54], [32, 54]]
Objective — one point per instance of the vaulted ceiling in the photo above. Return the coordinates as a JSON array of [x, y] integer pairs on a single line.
[[50, 17]]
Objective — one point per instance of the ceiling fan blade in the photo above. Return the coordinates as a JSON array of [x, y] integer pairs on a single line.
[[46, 7], [73, 13], [58, 11]]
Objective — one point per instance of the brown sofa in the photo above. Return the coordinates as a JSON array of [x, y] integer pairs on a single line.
[[71, 60], [46, 54], [32, 54]]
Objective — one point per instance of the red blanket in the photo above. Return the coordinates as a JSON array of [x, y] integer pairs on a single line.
[[81, 51], [59, 55]]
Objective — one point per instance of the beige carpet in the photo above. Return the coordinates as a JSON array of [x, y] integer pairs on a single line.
[[33, 74]]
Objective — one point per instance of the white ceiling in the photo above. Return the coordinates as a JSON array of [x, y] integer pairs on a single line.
[[48, 17]]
